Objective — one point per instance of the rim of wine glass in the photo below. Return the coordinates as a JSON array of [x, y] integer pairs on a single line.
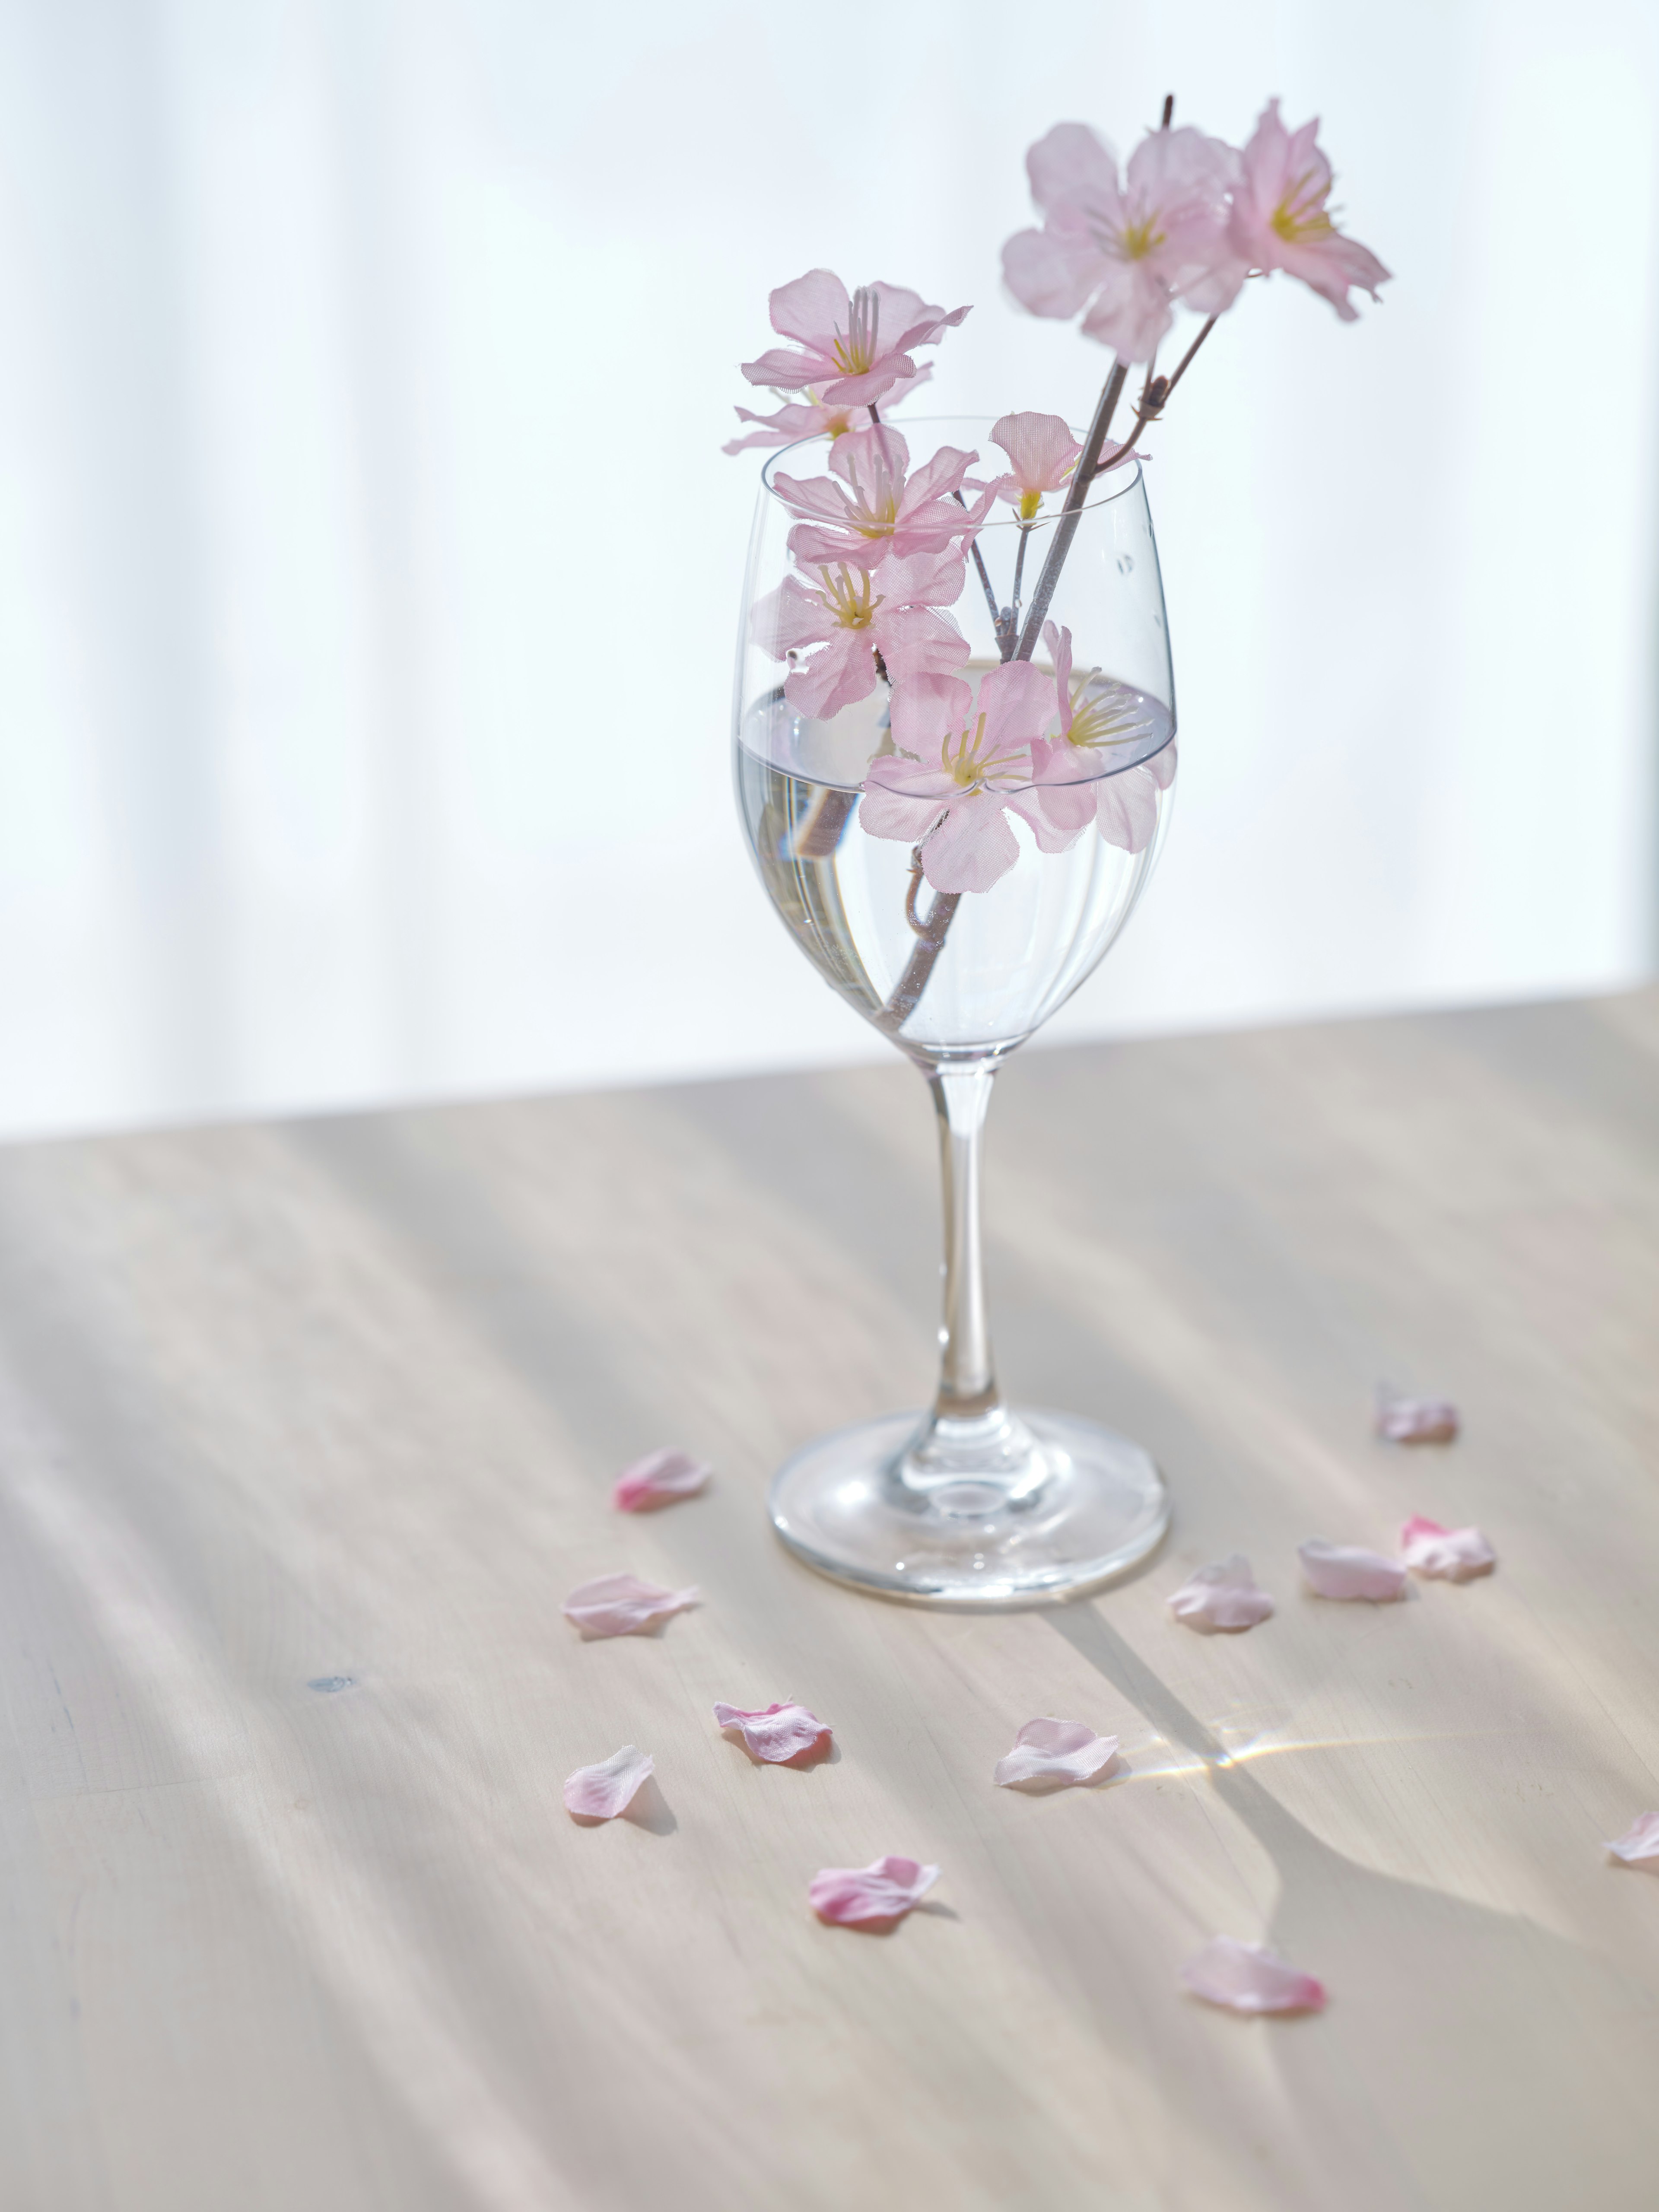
[[1129, 476]]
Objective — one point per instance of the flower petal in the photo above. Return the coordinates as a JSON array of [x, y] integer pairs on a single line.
[[658, 1479], [600, 1792], [623, 1605], [1453, 1555], [1415, 1421], [780, 1735], [1639, 1846], [1056, 1752], [1249, 1978], [1225, 1596], [875, 1897], [973, 849], [1347, 1571]]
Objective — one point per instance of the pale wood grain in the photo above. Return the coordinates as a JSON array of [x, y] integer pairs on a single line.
[[281, 1406]]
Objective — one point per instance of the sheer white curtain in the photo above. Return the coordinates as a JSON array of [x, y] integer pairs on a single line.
[[369, 565]]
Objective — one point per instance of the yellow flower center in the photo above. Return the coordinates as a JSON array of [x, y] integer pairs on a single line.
[[1029, 503], [854, 348], [1101, 721], [848, 597], [1137, 240], [1295, 218]]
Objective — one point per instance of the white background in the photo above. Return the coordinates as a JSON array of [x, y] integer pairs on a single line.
[[369, 565]]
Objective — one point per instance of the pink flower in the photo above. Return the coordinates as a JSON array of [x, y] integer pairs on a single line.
[[1223, 1597], [1249, 1978], [855, 614], [1128, 252], [658, 1479], [600, 1792], [879, 508], [875, 1897], [621, 1605], [1639, 1847], [1078, 784], [781, 1736], [817, 418], [1052, 1754], [1042, 455], [855, 350], [1415, 1421], [1453, 1555], [1280, 220], [1347, 1571], [973, 762]]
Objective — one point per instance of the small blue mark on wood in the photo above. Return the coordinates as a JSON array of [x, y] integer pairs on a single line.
[[330, 1682]]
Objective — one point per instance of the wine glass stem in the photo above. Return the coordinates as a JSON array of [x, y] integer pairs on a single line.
[[967, 1383]]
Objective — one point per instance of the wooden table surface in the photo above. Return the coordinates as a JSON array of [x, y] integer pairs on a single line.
[[306, 1429]]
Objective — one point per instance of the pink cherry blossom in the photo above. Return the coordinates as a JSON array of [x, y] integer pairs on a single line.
[[1280, 219], [879, 508], [854, 614], [1415, 1421], [874, 1896], [1053, 1753], [1098, 719], [600, 1792], [623, 1605], [854, 350], [961, 763], [816, 418], [781, 1734], [1042, 455], [1453, 1555], [1249, 1978], [1639, 1846], [1127, 252], [1224, 1597], [1347, 1571]]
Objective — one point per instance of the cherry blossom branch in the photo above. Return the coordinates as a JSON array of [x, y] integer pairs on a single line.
[[930, 936], [1072, 514], [984, 578]]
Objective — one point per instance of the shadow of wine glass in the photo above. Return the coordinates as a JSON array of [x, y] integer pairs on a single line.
[[1453, 2067]]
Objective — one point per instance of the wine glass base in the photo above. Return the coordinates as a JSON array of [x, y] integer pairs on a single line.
[[838, 1505]]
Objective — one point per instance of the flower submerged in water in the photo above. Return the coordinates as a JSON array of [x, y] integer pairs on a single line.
[[1041, 456], [814, 417], [1280, 218], [962, 762], [853, 615], [1128, 252], [1100, 722], [855, 349], [878, 508]]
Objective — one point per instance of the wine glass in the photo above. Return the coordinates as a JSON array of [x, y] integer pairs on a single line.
[[973, 1501]]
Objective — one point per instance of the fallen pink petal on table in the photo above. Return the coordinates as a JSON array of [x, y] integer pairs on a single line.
[[1056, 1752], [1452, 1555], [1225, 1596], [777, 1734], [1415, 1421], [1250, 1978], [621, 1605], [1640, 1847], [876, 1896], [659, 1479], [600, 1792], [1349, 1570]]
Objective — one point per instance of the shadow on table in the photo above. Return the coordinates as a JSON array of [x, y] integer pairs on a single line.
[[1454, 2038]]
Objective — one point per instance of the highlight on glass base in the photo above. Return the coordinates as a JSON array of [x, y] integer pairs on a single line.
[[1017, 1509]]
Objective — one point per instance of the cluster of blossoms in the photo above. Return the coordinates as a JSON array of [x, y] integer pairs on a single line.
[[882, 549]]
